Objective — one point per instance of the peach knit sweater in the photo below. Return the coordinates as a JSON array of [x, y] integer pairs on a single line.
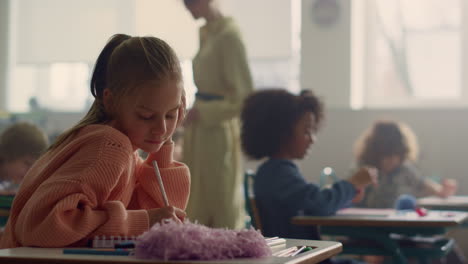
[[95, 184]]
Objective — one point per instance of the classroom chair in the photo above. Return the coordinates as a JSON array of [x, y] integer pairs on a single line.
[[250, 204], [5, 206]]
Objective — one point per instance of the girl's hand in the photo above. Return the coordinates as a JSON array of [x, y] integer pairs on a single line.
[[363, 177], [169, 212]]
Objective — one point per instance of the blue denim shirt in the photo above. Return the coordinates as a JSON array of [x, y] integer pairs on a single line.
[[281, 192]]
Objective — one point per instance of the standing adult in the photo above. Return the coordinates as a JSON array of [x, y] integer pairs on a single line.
[[211, 137]]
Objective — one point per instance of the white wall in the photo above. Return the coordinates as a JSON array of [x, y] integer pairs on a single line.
[[169, 20], [69, 31], [326, 53], [266, 36]]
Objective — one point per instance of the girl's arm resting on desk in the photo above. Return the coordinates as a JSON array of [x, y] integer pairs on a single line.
[[70, 214], [75, 201], [175, 176]]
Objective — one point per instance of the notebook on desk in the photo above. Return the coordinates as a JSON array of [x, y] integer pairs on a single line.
[[109, 242], [366, 212]]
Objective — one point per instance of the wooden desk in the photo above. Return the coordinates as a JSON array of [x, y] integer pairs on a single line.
[[378, 225], [384, 218], [457, 203], [25, 255]]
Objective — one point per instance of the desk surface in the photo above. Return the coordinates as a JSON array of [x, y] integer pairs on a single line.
[[450, 203], [323, 250], [384, 217]]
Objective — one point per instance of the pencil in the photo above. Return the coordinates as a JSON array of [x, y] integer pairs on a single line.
[[161, 185]]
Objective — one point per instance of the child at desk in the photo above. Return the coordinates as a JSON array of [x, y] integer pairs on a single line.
[[392, 148], [20, 146], [281, 127], [91, 181]]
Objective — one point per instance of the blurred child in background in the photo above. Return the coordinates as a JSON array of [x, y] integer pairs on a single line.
[[21, 144], [392, 148]]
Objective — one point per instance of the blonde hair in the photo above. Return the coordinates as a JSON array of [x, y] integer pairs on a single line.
[[20, 140], [122, 66], [385, 138]]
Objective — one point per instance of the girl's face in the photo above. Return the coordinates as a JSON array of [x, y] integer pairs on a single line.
[[388, 164], [149, 118], [304, 135]]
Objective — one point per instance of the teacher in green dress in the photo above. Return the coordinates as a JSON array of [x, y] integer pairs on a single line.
[[211, 137]]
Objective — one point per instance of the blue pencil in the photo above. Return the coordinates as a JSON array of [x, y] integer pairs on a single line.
[[109, 252]]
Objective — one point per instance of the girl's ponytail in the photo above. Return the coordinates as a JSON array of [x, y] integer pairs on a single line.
[[98, 79]]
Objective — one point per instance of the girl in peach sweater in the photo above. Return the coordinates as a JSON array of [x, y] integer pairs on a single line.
[[91, 181]]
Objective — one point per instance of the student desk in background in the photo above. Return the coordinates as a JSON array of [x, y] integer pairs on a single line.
[[379, 226], [25, 255], [456, 203]]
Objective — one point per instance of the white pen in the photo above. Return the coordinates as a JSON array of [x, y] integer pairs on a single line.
[[297, 251], [161, 185], [283, 252], [275, 242]]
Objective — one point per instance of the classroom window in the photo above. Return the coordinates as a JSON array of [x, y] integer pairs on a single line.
[[414, 53], [60, 87], [64, 87]]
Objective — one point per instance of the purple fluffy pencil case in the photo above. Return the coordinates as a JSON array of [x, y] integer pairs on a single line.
[[190, 241]]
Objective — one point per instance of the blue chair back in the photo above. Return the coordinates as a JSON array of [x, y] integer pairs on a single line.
[[250, 203]]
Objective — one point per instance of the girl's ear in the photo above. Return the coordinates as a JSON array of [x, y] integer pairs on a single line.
[[107, 100], [182, 109]]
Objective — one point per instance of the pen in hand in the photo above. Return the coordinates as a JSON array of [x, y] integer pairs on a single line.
[[161, 185]]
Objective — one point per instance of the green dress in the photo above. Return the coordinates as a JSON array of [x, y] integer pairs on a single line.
[[212, 142]]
